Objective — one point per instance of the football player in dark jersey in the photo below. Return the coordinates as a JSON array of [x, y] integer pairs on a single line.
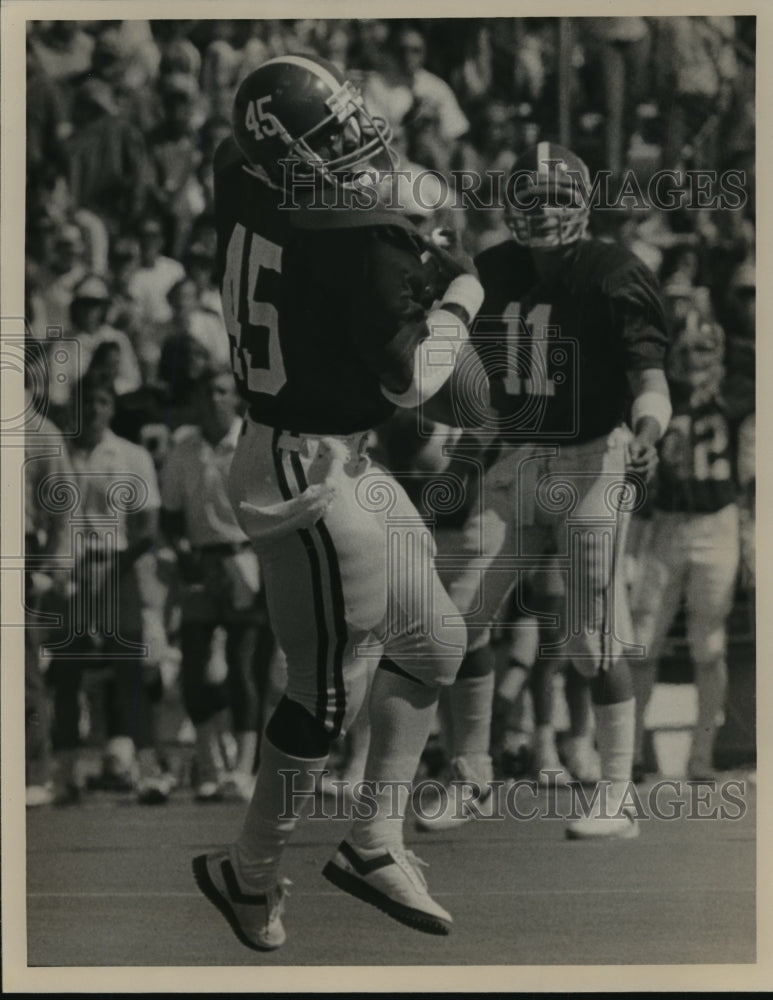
[[331, 329], [692, 547], [573, 337]]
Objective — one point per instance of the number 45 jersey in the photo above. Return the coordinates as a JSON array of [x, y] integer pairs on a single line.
[[557, 351], [324, 306]]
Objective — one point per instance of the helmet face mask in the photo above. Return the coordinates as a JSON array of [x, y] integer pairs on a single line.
[[696, 357], [297, 115], [546, 206]]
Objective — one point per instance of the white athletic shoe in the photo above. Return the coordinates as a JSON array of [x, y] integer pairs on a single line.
[[609, 817], [390, 879], [255, 917], [622, 827]]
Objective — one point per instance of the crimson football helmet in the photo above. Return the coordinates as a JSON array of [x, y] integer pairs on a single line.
[[547, 201], [302, 110]]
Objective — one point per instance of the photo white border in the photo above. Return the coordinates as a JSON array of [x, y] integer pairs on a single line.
[[258, 979]]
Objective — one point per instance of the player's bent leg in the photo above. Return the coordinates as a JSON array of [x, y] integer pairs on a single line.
[[372, 862], [243, 880], [420, 657]]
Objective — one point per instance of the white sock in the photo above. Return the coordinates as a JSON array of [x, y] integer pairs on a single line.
[[711, 682], [246, 748], [615, 725], [209, 760], [273, 813], [401, 715], [471, 702]]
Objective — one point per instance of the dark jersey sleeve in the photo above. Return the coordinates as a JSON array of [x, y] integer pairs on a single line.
[[386, 318], [632, 289]]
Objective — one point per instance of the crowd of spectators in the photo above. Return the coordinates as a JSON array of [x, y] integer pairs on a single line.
[[123, 119]]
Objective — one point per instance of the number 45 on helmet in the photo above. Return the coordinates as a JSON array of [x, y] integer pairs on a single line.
[[298, 116]]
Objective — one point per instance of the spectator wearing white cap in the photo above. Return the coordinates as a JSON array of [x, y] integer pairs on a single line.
[[88, 328]]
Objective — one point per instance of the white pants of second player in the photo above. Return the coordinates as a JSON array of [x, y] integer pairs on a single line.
[[694, 556], [559, 515]]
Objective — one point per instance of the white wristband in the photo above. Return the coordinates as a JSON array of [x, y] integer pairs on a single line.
[[434, 359], [652, 404], [465, 291]]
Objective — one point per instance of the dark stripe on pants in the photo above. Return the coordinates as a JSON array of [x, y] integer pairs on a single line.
[[323, 637], [339, 605]]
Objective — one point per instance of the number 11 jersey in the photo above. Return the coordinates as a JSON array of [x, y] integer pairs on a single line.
[[557, 351]]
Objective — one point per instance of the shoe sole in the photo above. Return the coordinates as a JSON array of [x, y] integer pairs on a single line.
[[407, 915], [440, 826], [213, 894], [631, 831]]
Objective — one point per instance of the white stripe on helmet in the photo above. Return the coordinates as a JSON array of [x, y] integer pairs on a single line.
[[543, 154], [313, 67]]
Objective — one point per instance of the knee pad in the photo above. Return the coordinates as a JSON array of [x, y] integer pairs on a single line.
[[437, 671], [294, 730]]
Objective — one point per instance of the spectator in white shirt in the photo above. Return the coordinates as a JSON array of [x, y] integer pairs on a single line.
[[220, 575], [413, 99], [114, 502], [190, 317], [156, 274]]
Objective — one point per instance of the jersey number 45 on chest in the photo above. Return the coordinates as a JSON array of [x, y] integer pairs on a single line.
[[250, 304]]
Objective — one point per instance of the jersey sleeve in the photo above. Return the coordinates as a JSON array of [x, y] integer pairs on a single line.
[[633, 290], [384, 313]]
